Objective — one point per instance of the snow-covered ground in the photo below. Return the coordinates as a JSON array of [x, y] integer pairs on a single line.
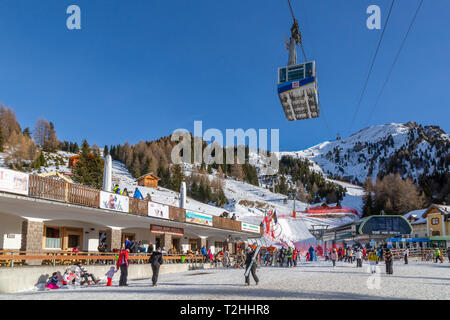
[[312, 280]]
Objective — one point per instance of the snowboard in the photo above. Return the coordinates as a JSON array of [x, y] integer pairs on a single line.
[[255, 256]]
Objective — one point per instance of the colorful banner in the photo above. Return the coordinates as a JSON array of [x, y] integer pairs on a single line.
[[167, 230], [13, 181], [250, 227], [112, 201], [200, 218], [158, 210]]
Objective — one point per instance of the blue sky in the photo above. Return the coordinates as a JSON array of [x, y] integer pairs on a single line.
[[139, 69]]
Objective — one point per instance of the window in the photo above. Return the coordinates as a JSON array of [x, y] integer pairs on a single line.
[[309, 70], [435, 221], [73, 241], [296, 72], [282, 75], [52, 238]]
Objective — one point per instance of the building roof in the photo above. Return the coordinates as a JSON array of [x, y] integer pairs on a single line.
[[420, 216], [148, 174]]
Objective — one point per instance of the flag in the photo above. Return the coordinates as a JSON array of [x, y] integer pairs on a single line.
[[275, 216]]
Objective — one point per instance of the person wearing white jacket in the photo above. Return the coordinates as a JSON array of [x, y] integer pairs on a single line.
[[358, 256]]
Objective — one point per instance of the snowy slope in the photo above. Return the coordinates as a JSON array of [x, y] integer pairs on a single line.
[[365, 153]]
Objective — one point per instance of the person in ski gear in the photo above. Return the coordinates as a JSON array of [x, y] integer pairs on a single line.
[[289, 254], [248, 259], [138, 194], [405, 255], [389, 260], [109, 275], [358, 256], [350, 255], [52, 282], [438, 255], [127, 243], [334, 256], [226, 258], [448, 254], [311, 253], [156, 261], [122, 264], [295, 257], [117, 189], [373, 259]]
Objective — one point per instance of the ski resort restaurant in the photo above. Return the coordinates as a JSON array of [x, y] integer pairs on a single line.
[[42, 214]]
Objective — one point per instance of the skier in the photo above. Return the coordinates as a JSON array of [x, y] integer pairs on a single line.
[[122, 264], [156, 261], [406, 254], [448, 254], [248, 259], [334, 256], [389, 262], [350, 255]]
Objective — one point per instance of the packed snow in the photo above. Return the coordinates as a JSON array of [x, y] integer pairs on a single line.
[[309, 280]]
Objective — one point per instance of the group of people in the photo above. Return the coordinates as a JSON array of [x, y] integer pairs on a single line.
[[137, 194], [284, 257], [73, 275]]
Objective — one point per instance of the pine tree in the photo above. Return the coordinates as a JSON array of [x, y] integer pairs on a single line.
[[89, 168], [176, 177], [105, 151]]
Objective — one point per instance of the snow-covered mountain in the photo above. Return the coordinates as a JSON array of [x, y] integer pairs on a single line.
[[409, 149]]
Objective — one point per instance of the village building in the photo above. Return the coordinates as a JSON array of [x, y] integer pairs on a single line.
[[148, 180]]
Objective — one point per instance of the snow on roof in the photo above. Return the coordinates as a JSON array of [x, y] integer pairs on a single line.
[[417, 214]]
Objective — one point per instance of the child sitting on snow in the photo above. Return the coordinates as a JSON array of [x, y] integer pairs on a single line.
[[110, 275], [68, 277], [53, 281]]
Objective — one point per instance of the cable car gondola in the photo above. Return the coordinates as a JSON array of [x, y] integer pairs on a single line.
[[297, 83]]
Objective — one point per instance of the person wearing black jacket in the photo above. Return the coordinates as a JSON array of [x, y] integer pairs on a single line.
[[248, 259], [156, 261], [389, 260]]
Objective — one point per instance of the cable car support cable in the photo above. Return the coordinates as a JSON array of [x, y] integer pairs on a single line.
[[395, 62], [371, 66]]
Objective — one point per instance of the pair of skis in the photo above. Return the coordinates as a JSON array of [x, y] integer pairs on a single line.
[[255, 256]]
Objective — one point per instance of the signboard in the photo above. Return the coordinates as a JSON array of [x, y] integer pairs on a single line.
[[112, 201], [158, 210], [167, 230], [200, 218], [250, 227], [385, 232], [13, 181]]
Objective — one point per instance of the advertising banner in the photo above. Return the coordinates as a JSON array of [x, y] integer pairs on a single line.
[[200, 218], [250, 227], [112, 201], [167, 230], [158, 210], [13, 181]]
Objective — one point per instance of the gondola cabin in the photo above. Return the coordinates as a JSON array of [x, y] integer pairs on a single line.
[[297, 89]]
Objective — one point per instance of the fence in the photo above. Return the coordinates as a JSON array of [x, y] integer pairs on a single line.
[[14, 258]]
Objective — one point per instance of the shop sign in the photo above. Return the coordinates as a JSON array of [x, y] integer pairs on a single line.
[[167, 230], [13, 181], [250, 227], [199, 218]]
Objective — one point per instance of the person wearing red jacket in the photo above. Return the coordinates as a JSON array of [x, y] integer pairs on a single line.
[[122, 264]]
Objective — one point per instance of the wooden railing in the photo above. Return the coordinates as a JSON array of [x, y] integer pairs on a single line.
[[50, 189], [14, 258]]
